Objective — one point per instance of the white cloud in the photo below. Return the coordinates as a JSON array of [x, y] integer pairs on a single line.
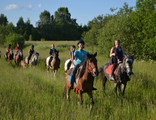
[[40, 5], [13, 7], [29, 7]]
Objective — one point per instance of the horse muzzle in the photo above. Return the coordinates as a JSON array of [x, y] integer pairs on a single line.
[[130, 73]]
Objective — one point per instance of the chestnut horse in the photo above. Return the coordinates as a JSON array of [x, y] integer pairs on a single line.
[[54, 63], [18, 57], [84, 84], [9, 55], [122, 74]]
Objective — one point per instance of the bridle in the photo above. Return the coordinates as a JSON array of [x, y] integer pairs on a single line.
[[90, 68]]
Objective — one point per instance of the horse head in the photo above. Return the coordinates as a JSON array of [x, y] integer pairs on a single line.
[[91, 64], [56, 54], [128, 64], [36, 56]]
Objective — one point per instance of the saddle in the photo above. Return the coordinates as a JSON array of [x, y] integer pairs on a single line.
[[110, 68]]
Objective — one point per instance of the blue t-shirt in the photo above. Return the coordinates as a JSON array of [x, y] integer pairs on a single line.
[[79, 56]]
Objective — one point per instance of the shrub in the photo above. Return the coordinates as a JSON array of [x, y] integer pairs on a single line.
[[13, 39], [42, 39]]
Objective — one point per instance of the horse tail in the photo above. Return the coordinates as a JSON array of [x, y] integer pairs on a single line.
[[100, 69]]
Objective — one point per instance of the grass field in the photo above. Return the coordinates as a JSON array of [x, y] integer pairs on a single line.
[[28, 94]]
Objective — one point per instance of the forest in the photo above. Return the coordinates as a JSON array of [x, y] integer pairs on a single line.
[[134, 26]]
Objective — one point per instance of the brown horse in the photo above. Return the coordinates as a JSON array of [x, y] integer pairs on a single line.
[[18, 57], [84, 80], [54, 63], [9, 56]]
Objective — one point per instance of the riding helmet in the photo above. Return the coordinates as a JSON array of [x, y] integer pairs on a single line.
[[32, 45], [9, 45], [73, 46], [80, 41]]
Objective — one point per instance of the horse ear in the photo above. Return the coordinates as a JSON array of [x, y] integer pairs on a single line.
[[132, 56], [95, 54]]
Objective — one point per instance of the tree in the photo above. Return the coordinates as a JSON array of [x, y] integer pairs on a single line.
[[21, 26], [3, 20]]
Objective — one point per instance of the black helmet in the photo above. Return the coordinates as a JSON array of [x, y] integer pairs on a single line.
[[17, 43], [32, 45], [73, 46], [80, 41], [9, 45]]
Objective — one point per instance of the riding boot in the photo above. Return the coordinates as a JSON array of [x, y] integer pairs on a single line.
[[112, 74]]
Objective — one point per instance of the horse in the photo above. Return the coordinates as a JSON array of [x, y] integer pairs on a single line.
[[87, 71], [18, 57], [68, 65], [54, 63], [124, 71], [33, 59], [9, 55]]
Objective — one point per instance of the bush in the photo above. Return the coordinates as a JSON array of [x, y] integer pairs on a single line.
[[13, 39], [30, 37], [42, 39]]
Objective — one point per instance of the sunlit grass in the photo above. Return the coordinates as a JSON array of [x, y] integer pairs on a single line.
[[35, 94]]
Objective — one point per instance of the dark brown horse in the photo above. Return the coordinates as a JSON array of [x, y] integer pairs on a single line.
[[122, 75], [18, 57], [84, 80], [54, 63], [9, 55]]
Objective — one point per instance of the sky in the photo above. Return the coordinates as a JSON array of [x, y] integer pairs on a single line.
[[82, 10]]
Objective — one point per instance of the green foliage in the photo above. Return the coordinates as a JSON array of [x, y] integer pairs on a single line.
[[13, 39], [42, 39], [3, 20], [30, 37]]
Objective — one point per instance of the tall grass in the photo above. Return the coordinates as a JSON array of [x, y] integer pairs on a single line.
[[35, 94]]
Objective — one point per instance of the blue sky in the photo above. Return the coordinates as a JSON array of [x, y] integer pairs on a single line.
[[82, 10]]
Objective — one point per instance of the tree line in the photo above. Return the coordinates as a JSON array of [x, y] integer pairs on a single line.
[[134, 26], [59, 26]]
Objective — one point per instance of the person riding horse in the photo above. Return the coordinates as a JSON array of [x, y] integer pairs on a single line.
[[51, 52], [117, 54], [8, 50], [17, 49], [79, 58], [30, 52], [72, 57]]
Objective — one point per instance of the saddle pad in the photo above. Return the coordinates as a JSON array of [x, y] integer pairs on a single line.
[[110, 68]]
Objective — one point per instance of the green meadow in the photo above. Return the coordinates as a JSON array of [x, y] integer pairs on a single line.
[[34, 94]]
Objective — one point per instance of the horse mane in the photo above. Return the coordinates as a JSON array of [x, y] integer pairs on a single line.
[[84, 64]]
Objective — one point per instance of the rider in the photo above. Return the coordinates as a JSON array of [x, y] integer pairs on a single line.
[[79, 58], [51, 52], [8, 49], [72, 57], [117, 55], [16, 49], [30, 52]]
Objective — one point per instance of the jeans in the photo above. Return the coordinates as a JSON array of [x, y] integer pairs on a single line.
[[73, 74]]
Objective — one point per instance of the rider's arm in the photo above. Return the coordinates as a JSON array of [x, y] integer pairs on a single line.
[[72, 57], [111, 52]]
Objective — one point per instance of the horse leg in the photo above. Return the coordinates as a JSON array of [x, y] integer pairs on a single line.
[[80, 101], [103, 81], [115, 88], [91, 100], [68, 93], [119, 88], [123, 88]]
